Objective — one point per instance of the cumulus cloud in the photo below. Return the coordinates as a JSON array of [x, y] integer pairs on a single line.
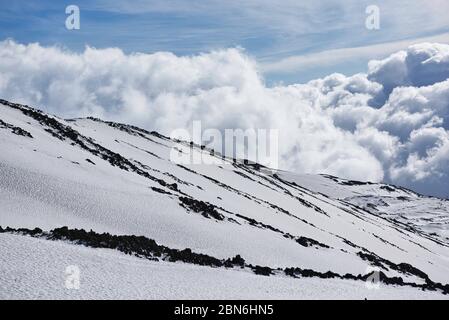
[[391, 124], [420, 65]]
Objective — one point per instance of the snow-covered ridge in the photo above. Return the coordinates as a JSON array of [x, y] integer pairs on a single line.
[[428, 215], [115, 178]]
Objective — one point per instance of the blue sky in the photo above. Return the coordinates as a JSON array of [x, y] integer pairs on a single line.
[[293, 41]]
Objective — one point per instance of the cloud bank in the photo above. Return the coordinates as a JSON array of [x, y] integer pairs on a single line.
[[390, 124]]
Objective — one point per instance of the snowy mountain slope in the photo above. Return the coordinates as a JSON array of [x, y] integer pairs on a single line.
[[429, 215], [108, 177], [107, 274]]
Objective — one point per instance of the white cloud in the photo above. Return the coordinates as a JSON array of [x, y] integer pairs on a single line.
[[347, 126], [422, 64]]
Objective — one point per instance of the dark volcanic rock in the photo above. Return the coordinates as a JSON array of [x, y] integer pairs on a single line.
[[16, 130], [207, 210]]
